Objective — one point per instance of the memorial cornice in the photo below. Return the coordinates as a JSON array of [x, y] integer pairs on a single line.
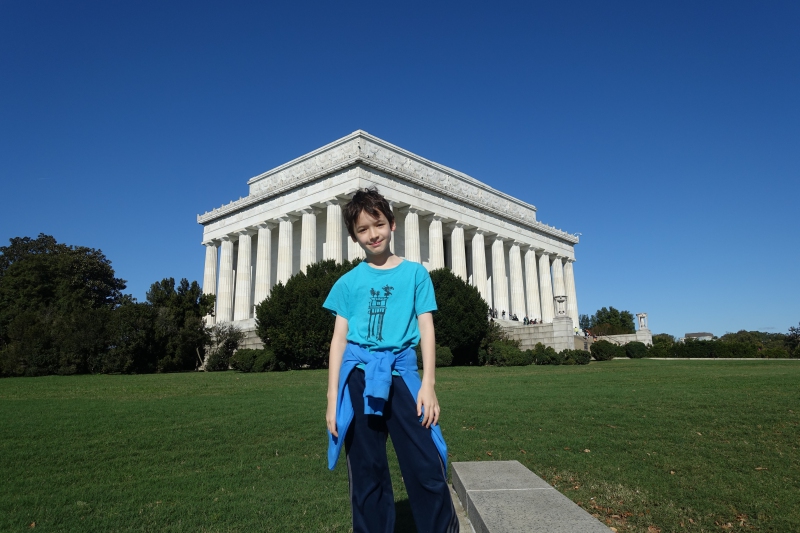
[[361, 148]]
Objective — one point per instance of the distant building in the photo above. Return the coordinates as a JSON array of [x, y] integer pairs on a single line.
[[703, 336], [292, 217]]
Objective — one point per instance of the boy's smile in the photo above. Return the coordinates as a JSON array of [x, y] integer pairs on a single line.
[[374, 234]]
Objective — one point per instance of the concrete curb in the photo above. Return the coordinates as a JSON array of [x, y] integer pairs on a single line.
[[506, 497]]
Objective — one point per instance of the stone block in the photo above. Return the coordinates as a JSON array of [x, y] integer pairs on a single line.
[[506, 497]]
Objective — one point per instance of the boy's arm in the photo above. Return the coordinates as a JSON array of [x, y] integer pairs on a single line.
[[427, 394], [338, 344]]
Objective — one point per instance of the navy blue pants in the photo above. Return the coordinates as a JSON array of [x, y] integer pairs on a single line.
[[371, 495]]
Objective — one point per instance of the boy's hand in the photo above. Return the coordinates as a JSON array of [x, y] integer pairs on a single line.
[[330, 418], [427, 399]]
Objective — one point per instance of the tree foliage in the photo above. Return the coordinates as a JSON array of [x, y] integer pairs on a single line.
[[62, 311], [54, 304], [225, 340], [603, 350], [292, 322], [611, 322], [180, 331], [460, 322], [636, 350]]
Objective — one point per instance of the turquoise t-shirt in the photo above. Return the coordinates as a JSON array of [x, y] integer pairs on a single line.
[[381, 305]]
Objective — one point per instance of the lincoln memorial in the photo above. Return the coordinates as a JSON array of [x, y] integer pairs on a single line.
[[292, 217]]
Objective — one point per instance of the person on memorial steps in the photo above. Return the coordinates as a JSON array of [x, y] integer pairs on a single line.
[[383, 309]]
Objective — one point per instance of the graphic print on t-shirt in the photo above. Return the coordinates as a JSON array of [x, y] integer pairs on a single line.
[[377, 310]]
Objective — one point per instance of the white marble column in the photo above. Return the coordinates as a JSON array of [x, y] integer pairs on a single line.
[[436, 244], [225, 292], [546, 288], [391, 243], [517, 285], [459, 252], [308, 239], [572, 299], [354, 251], [499, 285], [243, 303], [532, 286], [479, 265], [558, 276], [333, 231], [412, 236], [210, 276], [284, 250], [263, 262]]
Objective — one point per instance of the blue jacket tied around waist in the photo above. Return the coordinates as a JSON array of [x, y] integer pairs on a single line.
[[378, 368]]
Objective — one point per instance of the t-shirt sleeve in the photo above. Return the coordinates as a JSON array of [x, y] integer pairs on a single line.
[[337, 299], [424, 297]]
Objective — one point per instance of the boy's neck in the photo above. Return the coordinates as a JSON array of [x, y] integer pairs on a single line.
[[384, 261]]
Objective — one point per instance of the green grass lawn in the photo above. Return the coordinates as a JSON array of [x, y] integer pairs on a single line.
[[645, 445]]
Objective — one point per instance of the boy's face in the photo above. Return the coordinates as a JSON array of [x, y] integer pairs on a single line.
[[374, 234]]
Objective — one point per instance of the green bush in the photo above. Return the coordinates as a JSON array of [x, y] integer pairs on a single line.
[[225, 341], [244, 359], [545, 355], [603, 350], [504, 353], [773, 353], [444, 356], [291, 321], [461, 321], [248, 360], [266, 362], [575, 357], [635, 350]]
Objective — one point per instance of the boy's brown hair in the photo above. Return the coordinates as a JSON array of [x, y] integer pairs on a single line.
[[370, 201]]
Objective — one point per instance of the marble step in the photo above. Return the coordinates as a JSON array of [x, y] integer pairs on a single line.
[[506, 497]]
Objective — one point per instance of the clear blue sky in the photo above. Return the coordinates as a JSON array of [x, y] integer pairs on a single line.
[[667, 134]]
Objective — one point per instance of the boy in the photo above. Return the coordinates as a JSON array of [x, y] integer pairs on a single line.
[[383, 309]]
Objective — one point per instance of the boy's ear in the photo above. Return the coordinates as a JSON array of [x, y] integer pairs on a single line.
[[394, 225]]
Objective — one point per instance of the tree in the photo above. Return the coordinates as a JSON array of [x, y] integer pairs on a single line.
[[133, 346], [180, 332], [611, 322], [793, 341], [460, 323], [292, 322], [225, 340], [584, 322], [54, 303]]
